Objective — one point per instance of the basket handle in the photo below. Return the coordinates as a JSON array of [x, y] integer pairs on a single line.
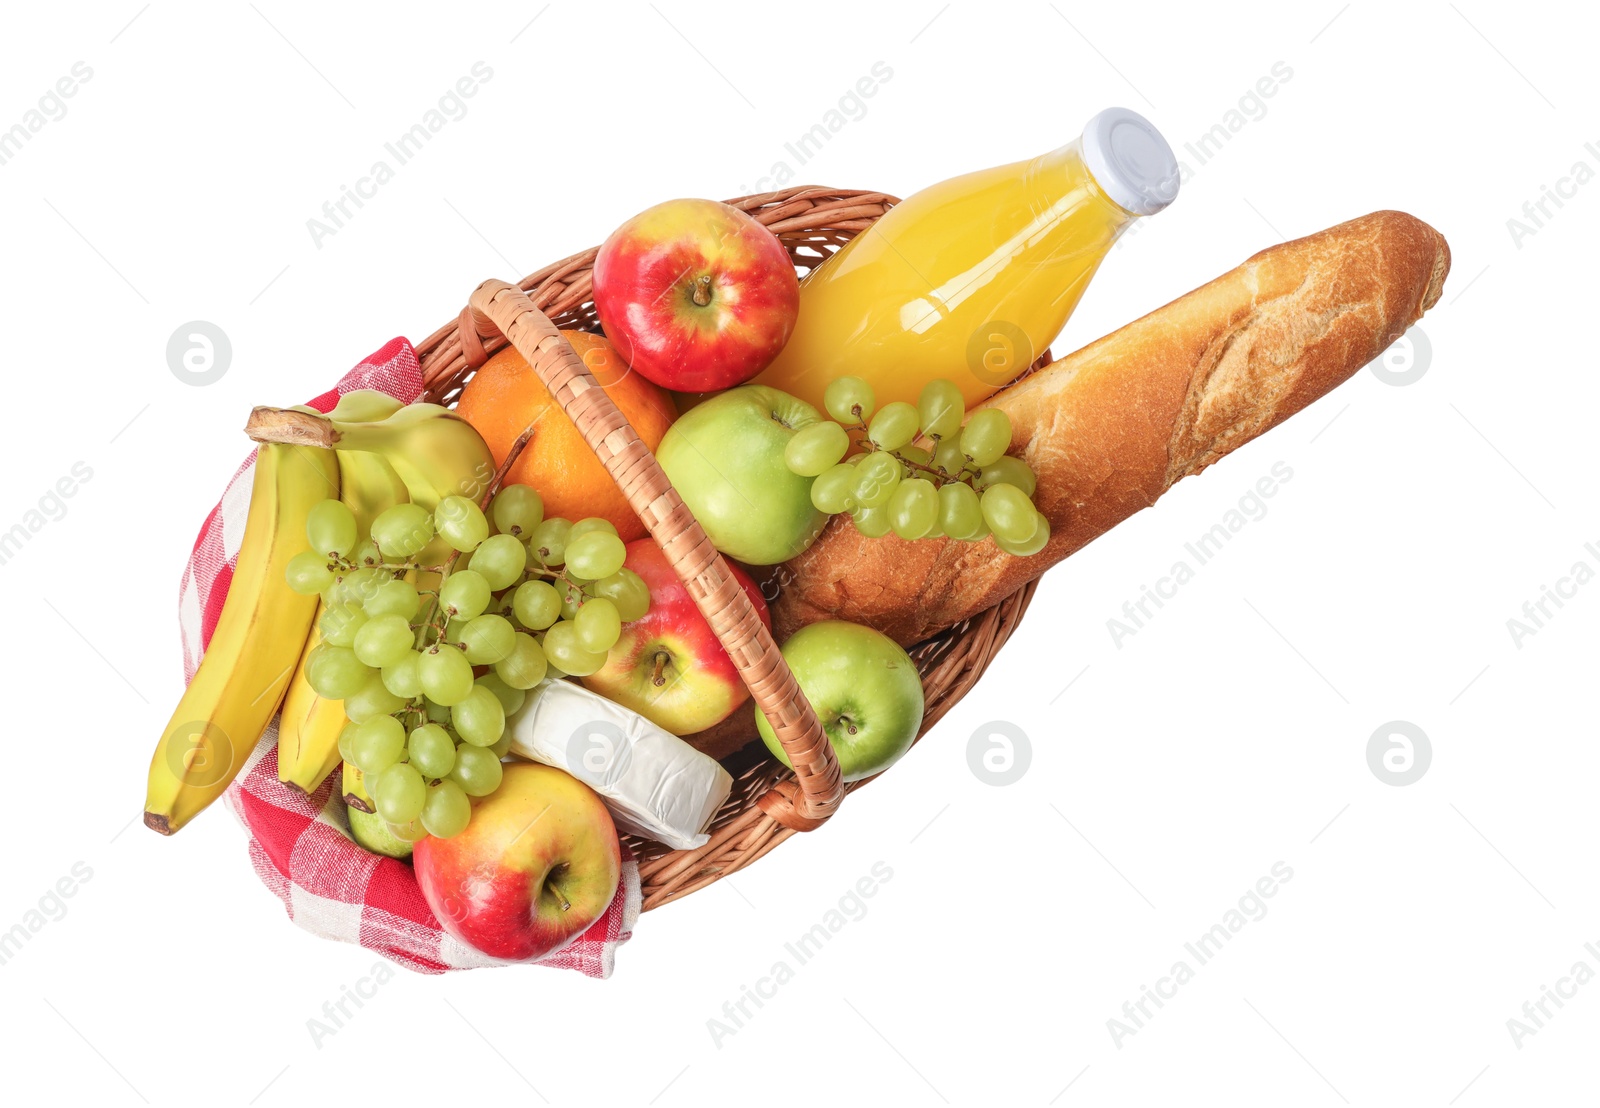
[[817, 790]]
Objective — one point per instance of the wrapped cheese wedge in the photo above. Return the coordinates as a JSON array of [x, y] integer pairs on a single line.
[[655, 784]]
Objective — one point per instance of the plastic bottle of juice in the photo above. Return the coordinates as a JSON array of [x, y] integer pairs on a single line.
[[971, 278]]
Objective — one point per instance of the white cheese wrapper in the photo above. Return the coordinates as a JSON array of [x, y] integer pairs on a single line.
[[655, 784]]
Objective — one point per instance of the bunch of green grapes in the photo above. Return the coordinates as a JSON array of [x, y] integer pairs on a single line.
[[428, 677], [866, 462]]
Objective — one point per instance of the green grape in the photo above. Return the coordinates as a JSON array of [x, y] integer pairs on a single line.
[[356, 586], [410, 831], [446, 675], [436, 712], [593, 523], [393, 598], [948, 457], [401, 793], [506, 605], [501, 748], [308, 572], [331, 528], [849, 400], [599, 625], [346, 746], [548, 541], [517, 510], [500, 559], [335, 672], [1032, 544], [525, 666], [1009, 513], [340, 622], [367, 554], [477, 770], [488, 639], [461, 522], [627, 590], [402, 530], [1008, 471], [404, 678], [479, 719], [571, 597], [384, 641], [877, 476], [915, 454], [371, 700], [595, 554], [431, 749], [510, 699], [871, 522], [377, 744], [812, 450], [986, 436], [562, 647], [834, 491], [960, 514], [914, 508], [447, 810], [464, 594], [537, 604], [894, 426], [941, 408]]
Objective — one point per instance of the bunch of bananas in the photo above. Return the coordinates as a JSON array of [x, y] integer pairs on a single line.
[[371, 451]]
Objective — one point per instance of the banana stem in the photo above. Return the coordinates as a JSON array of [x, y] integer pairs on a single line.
[[291, 427]]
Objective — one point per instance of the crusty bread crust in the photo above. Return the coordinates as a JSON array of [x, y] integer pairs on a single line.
[[1111, 427]]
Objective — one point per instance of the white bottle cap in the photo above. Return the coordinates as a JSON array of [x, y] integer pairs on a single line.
[[1130, 161]]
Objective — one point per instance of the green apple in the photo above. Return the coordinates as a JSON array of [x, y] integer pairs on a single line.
[[863, 687], [725, 458]]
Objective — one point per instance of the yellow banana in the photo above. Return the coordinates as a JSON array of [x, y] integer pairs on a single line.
[[258, 641], [355, 789], [308, 730], [435, 452], [365, 404]]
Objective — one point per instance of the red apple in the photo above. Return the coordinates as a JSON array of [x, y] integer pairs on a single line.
[[536, 866], [668, 665], [695, 294]]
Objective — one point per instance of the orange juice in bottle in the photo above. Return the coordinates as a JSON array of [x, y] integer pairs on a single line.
[[972, 278]]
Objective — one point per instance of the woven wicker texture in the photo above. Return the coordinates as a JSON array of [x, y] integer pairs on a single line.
[[769, 803]]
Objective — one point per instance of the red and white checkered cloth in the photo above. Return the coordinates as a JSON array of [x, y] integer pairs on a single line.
[[301, 846]]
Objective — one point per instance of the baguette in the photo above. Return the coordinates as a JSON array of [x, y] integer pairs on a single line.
[[1111, 427]]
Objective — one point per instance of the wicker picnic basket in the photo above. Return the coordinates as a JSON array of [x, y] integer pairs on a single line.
[[769, 803]]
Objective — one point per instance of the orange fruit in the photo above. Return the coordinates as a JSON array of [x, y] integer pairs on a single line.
[[505, 396]]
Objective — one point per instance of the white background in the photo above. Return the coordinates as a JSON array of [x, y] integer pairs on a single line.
[[1227, 735]]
